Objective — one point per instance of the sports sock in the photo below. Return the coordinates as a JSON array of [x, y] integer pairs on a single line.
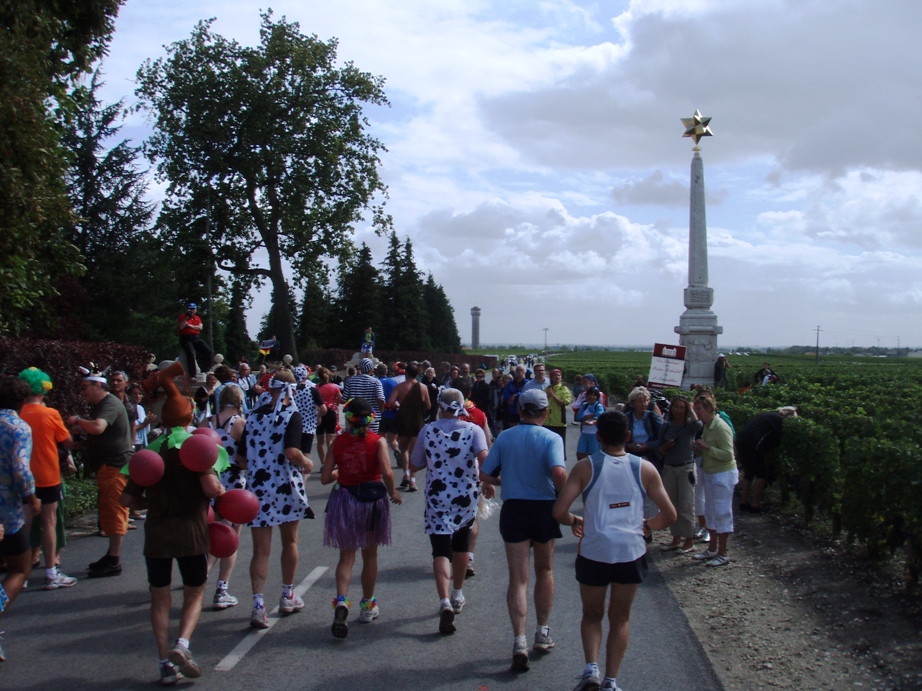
[[51, 573], [456, 594], [609, 684], [288, 590], [221, 586], [444, 602], [592, 669], [258, 601], [183, 642], [542, 630]]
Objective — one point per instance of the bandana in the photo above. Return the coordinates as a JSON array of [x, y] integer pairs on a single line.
[[456, 408], [287, 390], [300, 373]]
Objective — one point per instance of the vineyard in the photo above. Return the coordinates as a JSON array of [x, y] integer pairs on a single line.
[[853, 457]]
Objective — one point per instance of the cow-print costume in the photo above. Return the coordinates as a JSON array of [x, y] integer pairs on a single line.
[[277, 484], [306, 400], [452, 476], [233, 477]]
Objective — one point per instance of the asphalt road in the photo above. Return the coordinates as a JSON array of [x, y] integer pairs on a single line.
[[97, 635]]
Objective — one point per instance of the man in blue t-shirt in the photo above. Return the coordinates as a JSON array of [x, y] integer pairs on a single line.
[[527, 462]]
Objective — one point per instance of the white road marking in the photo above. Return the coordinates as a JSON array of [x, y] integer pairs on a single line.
[[252, 638]]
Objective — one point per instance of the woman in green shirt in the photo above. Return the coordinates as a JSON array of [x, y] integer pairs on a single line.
[[719, 478]]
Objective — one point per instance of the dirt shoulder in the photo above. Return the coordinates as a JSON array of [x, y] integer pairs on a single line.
[[795, 611]]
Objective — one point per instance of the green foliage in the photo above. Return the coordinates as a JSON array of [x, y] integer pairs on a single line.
[[46, 47], [82, 496], [272, 140], [808, 463]]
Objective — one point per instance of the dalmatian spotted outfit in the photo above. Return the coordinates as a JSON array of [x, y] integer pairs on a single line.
[[277, 484], [307, 398], [450, 448], [234, 477]]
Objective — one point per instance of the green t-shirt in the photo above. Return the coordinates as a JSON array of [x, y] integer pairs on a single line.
[[115, 445]]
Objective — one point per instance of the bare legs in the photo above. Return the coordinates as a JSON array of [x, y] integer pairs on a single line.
[[518, 558]]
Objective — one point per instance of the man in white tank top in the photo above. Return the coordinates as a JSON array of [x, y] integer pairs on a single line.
[[612, 551]]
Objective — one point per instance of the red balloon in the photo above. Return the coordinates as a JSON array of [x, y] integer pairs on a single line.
[[223, 540], [146, 467], [210, 514], [198, 453], [208, 432], [238, 506]]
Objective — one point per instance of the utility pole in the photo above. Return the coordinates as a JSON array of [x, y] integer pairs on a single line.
[[818, 345], [897, 346], [545, 343]]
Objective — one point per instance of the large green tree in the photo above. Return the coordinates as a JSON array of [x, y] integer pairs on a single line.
[[357, 299], [46, 47], [275, 132]]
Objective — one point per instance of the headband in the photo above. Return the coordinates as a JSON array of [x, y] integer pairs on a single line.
[[287, 389], [457, 409]]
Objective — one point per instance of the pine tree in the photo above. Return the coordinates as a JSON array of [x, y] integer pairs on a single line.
[[443, 331], [357, 300]]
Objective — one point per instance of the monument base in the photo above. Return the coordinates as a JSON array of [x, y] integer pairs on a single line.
[[698, 331]]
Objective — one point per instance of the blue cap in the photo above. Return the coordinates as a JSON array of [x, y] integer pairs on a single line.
[[192, 306]]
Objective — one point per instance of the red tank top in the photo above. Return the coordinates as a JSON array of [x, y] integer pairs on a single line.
[[357, 458]]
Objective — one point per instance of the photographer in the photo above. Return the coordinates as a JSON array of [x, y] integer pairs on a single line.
[[190, 339]]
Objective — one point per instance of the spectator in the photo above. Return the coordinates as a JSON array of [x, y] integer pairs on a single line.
[[190, 339]]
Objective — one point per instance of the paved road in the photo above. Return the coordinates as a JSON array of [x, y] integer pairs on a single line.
[[97, 635]]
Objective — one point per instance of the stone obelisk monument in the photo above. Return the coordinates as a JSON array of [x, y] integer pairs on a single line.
[[697, 327], [475, 327]]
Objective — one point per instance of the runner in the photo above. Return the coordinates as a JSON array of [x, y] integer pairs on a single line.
[[411, 399], [452, 451], [358, 515], [612, 551]]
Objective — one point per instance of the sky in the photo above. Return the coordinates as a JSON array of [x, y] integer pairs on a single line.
[[535, 157]]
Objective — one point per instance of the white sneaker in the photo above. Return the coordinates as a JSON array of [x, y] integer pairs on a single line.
[[289, 605], [368, 611], [59, 580], [457, 604], [706, 555], [222, 600]]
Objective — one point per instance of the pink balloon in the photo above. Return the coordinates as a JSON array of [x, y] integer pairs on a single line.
[[223, 538], [238, 506], [145, 467], [208, 432], [198, 453]]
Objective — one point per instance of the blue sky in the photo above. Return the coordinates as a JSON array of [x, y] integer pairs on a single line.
[[535, 156]]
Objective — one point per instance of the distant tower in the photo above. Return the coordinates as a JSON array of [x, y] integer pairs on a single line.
[[697, 327], [475, 327]]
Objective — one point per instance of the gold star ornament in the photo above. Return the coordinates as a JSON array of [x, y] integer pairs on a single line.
[[697, 126]]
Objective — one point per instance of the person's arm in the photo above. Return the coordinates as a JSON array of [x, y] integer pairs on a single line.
[[23, 481], [719, 444], [574, 486], [418, 457], [97, 426], [329, 473], [488, 490], [387, 475], [211, 485], [393, 399], [299, 460], [653, 486]]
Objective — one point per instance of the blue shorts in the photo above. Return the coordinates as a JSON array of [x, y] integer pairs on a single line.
[[588, 444]]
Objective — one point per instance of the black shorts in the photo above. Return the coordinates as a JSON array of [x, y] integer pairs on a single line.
[[14, 544], [599, 574], [388, 425], [528, 519], [458, 541], [307, 443], [49, 495], [194, 571], [327, 424], [755, 465]]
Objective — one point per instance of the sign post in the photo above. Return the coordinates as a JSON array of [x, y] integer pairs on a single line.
[[667, 366]]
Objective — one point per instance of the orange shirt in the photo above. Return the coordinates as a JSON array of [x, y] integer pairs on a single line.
[[48, 431]]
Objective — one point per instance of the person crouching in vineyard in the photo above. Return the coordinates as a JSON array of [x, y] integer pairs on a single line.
[[755, 442], [719, 478]]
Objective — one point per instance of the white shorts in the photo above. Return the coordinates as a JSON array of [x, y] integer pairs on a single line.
[[718, 495]]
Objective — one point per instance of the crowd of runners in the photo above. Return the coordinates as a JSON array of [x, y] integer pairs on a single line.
[[476, 434]]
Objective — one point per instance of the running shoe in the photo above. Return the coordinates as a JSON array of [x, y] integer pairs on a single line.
[[457, 604], [369, 611], [470, 568], [519, 656], [588, 681], [707, 555], [718, 561], [259, 619], [182, 658], [447, 621], [288, 605], [543, 641], [222, 600], [405, 482], [340, 628], [412, 487], [59, 580], [169, 675]]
